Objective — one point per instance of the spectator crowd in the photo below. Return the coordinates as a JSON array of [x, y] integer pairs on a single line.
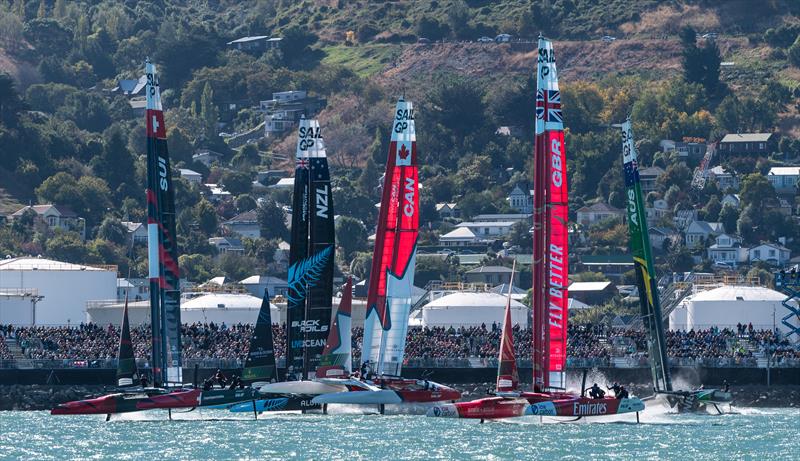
[[220, 341]]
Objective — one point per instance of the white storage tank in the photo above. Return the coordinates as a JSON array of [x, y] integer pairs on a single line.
[[64, 288], [472, 309], [729, 305]]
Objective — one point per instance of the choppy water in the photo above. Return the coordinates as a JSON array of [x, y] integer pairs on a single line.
[[218, 435]]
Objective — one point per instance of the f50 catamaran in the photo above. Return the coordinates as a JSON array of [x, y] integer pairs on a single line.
[[391, 282], [649, 299]]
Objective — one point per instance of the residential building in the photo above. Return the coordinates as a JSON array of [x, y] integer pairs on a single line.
[[700, 232], [657, 212], [727, 251], [593, 214], [217, 192], [447, 210], [131, 87], [503, 217], [283, 183], [747, 143], [137, 231], [244, 224], [725, 179], [521, 199], [732, 200], [784, 178], [137, 289], [462, 236], [286, 108], [258, 43], [227, 245], [488, 229], [695, 147], [658, 235], [491, 275], [191, 175], [269, 176], [648, 177], [55, 217], [206, 157], [592, 293], [771, 253], [256, 285], [612, 266]]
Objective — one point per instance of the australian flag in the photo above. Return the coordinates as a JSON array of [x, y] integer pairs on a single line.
[[548, 106], [631, 173]]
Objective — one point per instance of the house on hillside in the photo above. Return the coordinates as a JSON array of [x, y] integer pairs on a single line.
[[747, 143], [648, 177], [191, 175], [658, 235], [771, 253], [137, 232], [488, 229], [600, 211], [657, 212], [227, 245], [256, 285], [700, 232], [286, 108], [491, 275], [448, 210], [732, 200], [55, 217], [688, 147], [131, 87], [217, 193], [244, 224], [592, 293], [727, 251], [459, 237], [503, 217], [521, 199], [206, 156], [725, 179], [255, 44], [784, 178]]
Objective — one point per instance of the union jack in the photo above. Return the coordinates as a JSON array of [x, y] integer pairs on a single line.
[[548, 105], [302, 163]]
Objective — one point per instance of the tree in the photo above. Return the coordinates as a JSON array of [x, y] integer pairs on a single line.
[[89, 111], [296, 42], [48, 36], [756, 190], [368, 179], [11, 104], [236, 182], [206, 217], [196, 267], [112, 230], [235, 266], [115, 164], [712, 209], [794, 53], [208, 112], [272, 221], [68, 247], [431, 29], [244, 203], [350, 235], [700, 64], [458, 18], [520, 235]]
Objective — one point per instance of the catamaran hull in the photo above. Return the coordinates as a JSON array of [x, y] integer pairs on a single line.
[[192, 398], [291, 403], [360, 397], [120, 402], [584, 406], [301, 388], [486, 408], [392, 391]]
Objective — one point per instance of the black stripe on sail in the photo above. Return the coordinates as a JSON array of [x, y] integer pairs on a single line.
[[260, 362]]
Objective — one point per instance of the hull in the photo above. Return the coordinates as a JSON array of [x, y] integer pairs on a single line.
[[393, 391], [291, 403], [301, 388], [192, 398], [487, 408], [122, 402], [584, 406]]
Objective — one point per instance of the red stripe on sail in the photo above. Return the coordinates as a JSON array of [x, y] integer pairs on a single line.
[[335, 334], [507, 374]]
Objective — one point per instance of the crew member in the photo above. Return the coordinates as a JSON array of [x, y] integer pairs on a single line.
[[622, 394], [290, 375], [595, 392], [220, 378], [143, 380], [616, 388], [725, 386]]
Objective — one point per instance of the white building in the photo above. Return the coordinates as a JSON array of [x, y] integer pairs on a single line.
[[593, 214], [472, 309], [657, 212], [17, 306], [488, 229], [137, 231], [65, 288], [784, 178], [726, 306], [727, 251], [256, 285], [244, 224], [725, 179], [458, 237], [521, 200], [191, 175], [701, 231], [771, 253]]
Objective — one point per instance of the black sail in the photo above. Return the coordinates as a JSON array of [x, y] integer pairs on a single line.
[[260, 362], [126, 363], [162, 245], [311, 256]]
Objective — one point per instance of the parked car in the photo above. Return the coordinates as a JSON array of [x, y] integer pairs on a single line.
[[503, 38], [485, 39], [710, 35], [608, 38], [423, 40]]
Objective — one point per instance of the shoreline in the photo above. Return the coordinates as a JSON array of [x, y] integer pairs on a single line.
[[38, 397]]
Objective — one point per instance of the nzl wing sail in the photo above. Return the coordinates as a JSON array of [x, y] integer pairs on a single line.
[[391, 278], [260, 362], [550, 252], [311, 256], [507, 374], [162, 246], [126, 363], [643, 264], [337, 358]]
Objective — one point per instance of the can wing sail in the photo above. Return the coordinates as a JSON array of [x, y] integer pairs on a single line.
[[260, 362], [649, 301], [336, 361], [126, 363], [311, 256], [394, 258], [162, 244], [507, 374], [550, 252]]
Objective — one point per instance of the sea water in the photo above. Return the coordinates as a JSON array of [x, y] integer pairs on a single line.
[[763, 434]]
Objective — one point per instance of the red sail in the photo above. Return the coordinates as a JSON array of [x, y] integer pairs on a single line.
[[507, 374], [550, 251], [336, 360]]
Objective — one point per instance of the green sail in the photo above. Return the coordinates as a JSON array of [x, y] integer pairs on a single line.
[[643, 264]]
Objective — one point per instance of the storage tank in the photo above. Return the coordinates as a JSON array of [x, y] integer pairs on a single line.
[[729, 305], [472, 309]]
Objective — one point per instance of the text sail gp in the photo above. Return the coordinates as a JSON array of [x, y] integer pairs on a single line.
[[311, 256]]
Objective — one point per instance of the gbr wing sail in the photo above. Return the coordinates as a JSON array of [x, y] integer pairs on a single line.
[[507, 374], [162, 248], [550, 251], [394, 258]]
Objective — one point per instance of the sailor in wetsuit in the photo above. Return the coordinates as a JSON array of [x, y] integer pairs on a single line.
[[614, 387], [143, 380], [221, 380], [725, 386], [290, 375], [622, 394], [595, 392]]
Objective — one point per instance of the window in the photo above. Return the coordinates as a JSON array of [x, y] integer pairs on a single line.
[[757, 254], [761, 146], [772, 252]]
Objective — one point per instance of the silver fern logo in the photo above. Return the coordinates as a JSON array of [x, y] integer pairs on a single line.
[[306, 273]]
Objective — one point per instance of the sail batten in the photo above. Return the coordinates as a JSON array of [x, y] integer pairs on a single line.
[[550, 231], [394, 258], [646, 282], [161, 243], [311, 256]]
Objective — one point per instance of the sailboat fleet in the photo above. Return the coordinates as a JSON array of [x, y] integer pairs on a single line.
[[319, 361]]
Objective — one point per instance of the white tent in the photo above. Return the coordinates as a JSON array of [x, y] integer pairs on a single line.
[[471, 309]]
